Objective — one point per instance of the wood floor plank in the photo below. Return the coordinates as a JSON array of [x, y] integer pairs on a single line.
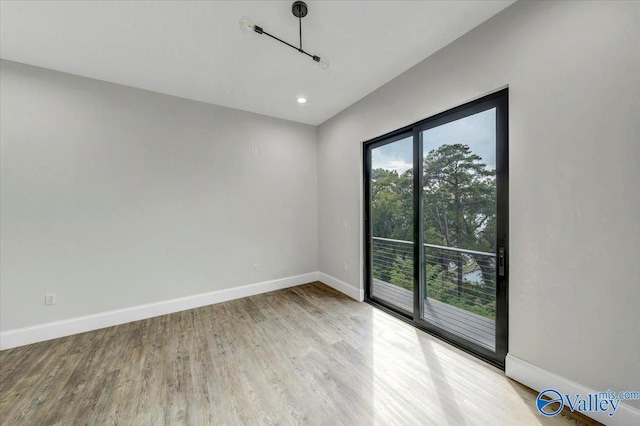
[[305, 355]]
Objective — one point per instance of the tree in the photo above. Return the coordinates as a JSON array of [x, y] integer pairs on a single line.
[[392, 204], [459, 201], [402, 272]]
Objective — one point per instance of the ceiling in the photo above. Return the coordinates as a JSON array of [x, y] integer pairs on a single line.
[[195, 49]]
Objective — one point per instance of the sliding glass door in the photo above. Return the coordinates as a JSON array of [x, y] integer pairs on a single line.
[[436, 191]]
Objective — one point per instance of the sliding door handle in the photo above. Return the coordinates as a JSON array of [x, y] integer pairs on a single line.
[[501, 261]]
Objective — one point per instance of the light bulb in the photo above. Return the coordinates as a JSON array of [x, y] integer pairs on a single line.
[[246, 24], [302, 100], [323, 62]]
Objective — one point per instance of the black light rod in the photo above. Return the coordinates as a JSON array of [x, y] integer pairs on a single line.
[[299, 10], [260, 30]]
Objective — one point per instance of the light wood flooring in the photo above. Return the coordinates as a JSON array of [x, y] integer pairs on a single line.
[[305, 355]]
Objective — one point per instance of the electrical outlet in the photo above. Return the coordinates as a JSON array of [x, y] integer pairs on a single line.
[[255, 267], [254, 150], [50, 299], [345, 266]]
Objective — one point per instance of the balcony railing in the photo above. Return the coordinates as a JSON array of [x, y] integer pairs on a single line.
[[460, 285]]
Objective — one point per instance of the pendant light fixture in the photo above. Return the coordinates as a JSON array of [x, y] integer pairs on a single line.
[[299, 10]]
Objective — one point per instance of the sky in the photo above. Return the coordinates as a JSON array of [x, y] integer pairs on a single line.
[[478, 131]]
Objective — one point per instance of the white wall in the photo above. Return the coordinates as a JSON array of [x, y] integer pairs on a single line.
[[115, 197], [573, 71]]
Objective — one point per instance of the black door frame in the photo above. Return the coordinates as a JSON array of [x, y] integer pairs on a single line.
[[498, 100]]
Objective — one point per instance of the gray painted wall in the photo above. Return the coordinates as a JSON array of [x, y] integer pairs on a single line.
[[115, 197], [573, 71]]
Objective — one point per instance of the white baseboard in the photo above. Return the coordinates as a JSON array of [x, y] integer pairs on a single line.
[[341, 286], [54, 330], [539, 379]]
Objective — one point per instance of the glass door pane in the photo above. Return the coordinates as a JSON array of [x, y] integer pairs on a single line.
[[391, 224], [459, 227]]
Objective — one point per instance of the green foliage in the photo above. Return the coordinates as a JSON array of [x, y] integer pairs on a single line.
[[472, 299], [402, 272], [392, 204], [459, 198]]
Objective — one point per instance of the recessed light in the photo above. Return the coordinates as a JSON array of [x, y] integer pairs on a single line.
[[302, 100]]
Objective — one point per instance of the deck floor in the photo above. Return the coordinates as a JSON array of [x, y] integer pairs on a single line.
[[471, 326]]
